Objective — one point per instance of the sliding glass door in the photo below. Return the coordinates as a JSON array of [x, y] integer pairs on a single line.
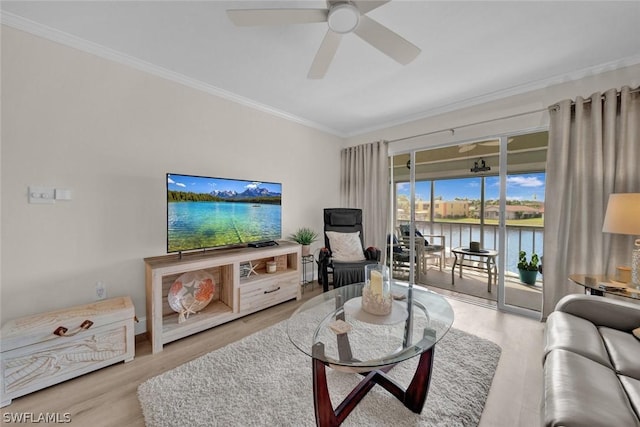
[[523, 219], [488, 192]]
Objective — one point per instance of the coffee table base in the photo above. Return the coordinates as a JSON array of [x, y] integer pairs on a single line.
[[413, 397]]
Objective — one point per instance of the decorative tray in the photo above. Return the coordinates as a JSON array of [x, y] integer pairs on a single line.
[[481, 251], [353, 308]]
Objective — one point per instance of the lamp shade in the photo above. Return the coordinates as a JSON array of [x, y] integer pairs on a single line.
[[623, 214]]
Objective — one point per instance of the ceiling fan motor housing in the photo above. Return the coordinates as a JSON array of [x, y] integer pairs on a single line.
[[343, 18]]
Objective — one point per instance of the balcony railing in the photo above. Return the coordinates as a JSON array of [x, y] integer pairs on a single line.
[[519, 238]]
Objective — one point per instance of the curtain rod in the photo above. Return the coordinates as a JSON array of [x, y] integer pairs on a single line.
[[452, 129], [588, 100], [556, 107]]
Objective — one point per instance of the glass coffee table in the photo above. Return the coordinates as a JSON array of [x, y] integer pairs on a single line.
[[333, 330]]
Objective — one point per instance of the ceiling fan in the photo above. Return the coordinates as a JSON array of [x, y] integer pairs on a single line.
[[343, 17]]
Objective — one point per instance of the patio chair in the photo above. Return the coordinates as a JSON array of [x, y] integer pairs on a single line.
[[399, 255], [429, 250], [344, 256]]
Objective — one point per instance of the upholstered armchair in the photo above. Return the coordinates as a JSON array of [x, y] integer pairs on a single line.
[[344, 255]]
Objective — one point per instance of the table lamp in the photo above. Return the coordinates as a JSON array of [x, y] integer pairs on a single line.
[[623, 217]]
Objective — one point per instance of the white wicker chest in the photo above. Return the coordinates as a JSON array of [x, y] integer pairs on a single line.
[[45, 349]]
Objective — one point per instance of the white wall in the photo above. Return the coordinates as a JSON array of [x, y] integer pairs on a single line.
[[110, 133], [530, 101]]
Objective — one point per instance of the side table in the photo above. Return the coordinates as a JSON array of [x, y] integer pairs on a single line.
[[307, 263], [599, 284], [488, 257]]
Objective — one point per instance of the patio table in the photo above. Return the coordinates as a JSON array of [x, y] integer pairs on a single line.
[[488, 263]]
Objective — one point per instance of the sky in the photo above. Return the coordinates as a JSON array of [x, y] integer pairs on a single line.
[[530, 186], [199, 184]]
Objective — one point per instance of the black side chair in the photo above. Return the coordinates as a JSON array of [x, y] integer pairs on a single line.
[[343, 220], [430, 250], [399, 256]]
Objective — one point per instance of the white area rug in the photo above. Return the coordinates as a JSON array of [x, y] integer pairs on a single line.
[[263, 380]]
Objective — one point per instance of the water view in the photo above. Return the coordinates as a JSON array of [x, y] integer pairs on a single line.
[[458, 206], [526, 239]]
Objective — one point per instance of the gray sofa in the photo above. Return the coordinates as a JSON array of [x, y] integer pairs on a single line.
[[592, 363]]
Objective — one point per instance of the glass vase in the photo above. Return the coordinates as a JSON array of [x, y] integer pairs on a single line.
[[376, 293]]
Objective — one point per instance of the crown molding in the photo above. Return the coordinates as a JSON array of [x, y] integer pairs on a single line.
[[52, 34]]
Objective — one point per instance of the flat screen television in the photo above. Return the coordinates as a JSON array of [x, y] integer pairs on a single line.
[[206, 212]]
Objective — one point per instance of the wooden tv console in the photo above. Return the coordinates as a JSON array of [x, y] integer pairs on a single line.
[[237, 294]]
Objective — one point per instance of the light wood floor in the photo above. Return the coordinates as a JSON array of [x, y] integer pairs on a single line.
[[108, 397]]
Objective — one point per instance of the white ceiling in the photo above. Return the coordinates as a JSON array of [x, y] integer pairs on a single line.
[[472, 52]]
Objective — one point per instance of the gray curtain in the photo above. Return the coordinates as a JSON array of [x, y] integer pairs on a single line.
[[594, 148], [364, 184]]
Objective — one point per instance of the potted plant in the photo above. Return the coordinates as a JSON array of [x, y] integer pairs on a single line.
[[528, 269], [304, 236]]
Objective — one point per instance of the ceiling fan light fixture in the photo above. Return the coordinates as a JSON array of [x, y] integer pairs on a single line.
[[343, 18]]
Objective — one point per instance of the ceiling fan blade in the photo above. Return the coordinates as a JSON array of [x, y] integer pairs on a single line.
[[466, 147], [325, 55], [365, 6], [386, 41], [251, 17], [495, 143]]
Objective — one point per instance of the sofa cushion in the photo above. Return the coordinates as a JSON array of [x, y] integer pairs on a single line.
[[624, 351], [632, 387], [569, 332], [573, 383]]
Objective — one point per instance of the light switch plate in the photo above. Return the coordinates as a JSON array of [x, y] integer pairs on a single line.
[[40, 194]]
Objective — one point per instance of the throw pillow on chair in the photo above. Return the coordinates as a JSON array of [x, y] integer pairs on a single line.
[[346, 247]]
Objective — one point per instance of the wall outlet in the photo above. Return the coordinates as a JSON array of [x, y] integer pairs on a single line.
[[101, 291]]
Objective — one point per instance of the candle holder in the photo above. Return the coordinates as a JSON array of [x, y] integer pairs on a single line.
[[376, 293]]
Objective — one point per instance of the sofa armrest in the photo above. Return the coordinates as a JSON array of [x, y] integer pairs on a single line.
[[601, 311]]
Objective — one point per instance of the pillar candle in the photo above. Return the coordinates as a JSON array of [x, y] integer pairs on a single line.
[[376, 282]]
